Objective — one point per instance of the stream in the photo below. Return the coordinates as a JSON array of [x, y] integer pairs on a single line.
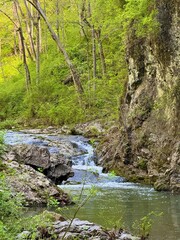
[[117, 201]]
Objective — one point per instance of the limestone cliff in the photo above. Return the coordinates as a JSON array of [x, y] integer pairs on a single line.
[[147, 145]]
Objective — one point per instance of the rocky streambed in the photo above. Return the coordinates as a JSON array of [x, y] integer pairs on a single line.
[[45, 163], [51, 160], [38, 162]]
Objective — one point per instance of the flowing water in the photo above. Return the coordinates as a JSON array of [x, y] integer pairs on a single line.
[[117, 202]]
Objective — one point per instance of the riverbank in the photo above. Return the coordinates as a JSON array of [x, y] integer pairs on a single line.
[[105, 139], [27, 159], [60, 229], [118, 202]]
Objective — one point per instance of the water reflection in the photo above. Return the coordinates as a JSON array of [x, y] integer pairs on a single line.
[[117, 206]]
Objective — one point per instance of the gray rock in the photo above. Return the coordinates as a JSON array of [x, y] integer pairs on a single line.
[[81, 175], [23, 235], [60, 168], [35, 188], [54, 166], [127, 236], [66, 148], [87, 230], [90, 129], [31, 155]]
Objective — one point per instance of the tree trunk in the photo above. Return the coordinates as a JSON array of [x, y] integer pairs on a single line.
[[101, 52], [54, 36], [28, 78], [45, 35], [35, 22], [89, 10], [30, 53], [29, 26], [57, 17], [81, 11], [38, 48], [19, 47], [15, 42], [1, 63], [94, 52]]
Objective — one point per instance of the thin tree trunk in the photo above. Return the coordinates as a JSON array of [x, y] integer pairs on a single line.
[[30, 53], [89, 10], [45, 48], [16, 23], [40, 34], [81, 18], [38, 49], [54, 36], [102, 57], [29, 26], [101, 52], [16, 48], [94, 52], [93, 37], [37, 24], [32, 22], [57, 18], [63, 29], [28, 77], [15, 42], [1, 63]]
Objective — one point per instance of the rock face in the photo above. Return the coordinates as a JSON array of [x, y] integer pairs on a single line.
[[33, 185], [32, 155], [55, 166], [60, 168], [147, 147]]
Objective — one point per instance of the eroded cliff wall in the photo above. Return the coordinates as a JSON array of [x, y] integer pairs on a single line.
[[147, 145]]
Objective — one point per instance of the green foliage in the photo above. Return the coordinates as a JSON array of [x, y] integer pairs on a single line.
[[10, 204], [11, 220], [8, 124], [12, 93], [51, 101], [40, 170], [93, 191], [52, 202], [1, 142], [10, 210], [142, 164], [43, 219], [3, 231], [144, 225], [140, 16], [113, 222], [111, 174]]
